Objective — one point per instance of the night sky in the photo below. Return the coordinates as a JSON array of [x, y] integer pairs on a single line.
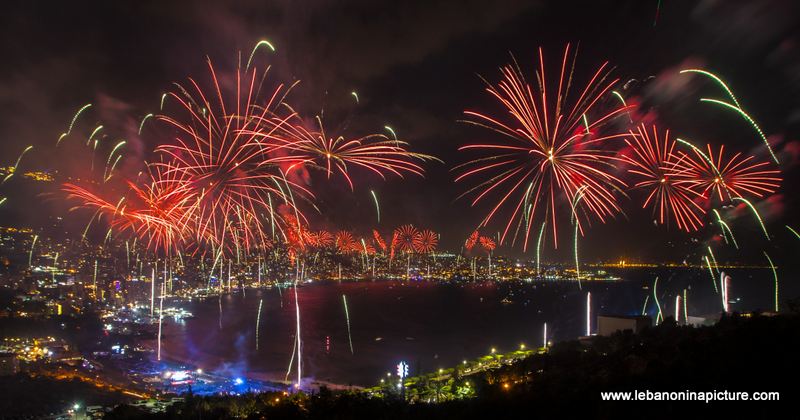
[[416, 66]]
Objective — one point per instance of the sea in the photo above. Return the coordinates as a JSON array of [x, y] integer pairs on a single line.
[[354, 333]]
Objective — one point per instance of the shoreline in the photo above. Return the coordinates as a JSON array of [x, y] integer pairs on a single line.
[[308, 383]]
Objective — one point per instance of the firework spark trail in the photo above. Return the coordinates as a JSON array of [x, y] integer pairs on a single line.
[[376, 205], [538, 248], [152, 293], [725, 226], [588, 314], [160, 319], [758, 216], [659, 316], [678, 309], [260, 43], [787, 227], [299, 343], [143, 120], [574, 219], [710, 271], [95, 280], [716, 267], [545, 335], [488, 245], [774, 273], [75, 118], [717, 79], [685, 311], [658, 8], [14, 169], [737, 107], [666, 177], [315, 150], [258, 320], [550, 153], [644, 308], [750, 120], [33, 244], [55, 267], [623, 104], [223, 161], [723, 285], [347, 314], [733, 177]]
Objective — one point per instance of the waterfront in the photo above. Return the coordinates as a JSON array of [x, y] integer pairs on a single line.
[[430, 325]]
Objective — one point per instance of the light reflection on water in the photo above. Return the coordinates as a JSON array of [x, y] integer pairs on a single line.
[[429, 325]]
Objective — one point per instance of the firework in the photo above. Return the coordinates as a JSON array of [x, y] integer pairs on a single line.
[[379, 240], [160, 318], [588, 314], [685, 311], [258, 320], [33, 244], [218, 153], [545, 335], [736, 107], [425, 242], [315, 150], [755, 212], [347, 314], [724, 281], [659, 316], [377, 207], [549, 155], [666, 178], [793, 231], [299, 343], [775, 274], [724, 227], [345, 243], [488, 245], [711, 272], [404, 238], [730, 179], [471, 241]]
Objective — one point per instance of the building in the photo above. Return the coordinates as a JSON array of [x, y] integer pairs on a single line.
[[607, 325], [9, 365]]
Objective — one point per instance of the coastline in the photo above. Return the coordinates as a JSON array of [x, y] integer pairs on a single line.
[[218, 368]]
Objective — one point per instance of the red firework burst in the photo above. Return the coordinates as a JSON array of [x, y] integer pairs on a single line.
[[314, 149], [550, 154], [667, 176], [404, 238], [488, 244], [733, 178], [425, 242], [345, 243], [321, 239], [379, 240], [154, 214], [217, 155], [471, 241]]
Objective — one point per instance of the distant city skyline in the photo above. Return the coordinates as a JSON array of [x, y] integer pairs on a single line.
[[413, 68]]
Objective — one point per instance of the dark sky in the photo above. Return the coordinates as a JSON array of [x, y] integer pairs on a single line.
[[415, 66]]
